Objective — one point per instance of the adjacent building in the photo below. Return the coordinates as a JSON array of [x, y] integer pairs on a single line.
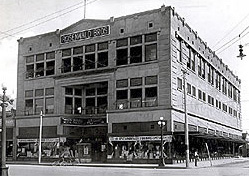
[[102, 86]]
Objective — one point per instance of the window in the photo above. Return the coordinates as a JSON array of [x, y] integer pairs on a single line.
[[122, 57], [90, 48], [90, 105], [178, 50], [78, 92], [203, 96], [192, 56], [102, 46], [29, 59], [122, 42], [218, 80], [149, 80], [102, 59], [49, 105], [39, 57], [193, 91], [150, 96], [30, 71], [199, 94], [136, 98], [66, 65], [188, 57], [77, 105], [224, 107], [224, 86], [29, 107], [50, 68], [77, 63], [136, 81], [150, 24], [188, 89], [39, 69], [122, 83], [203, 70], [38, 105], [136, 54], [150, 52], [68, 91], [66, 52], [102, 90], [78, 50], [50, 55], [90, 61], [199, 65], [28, 93], [102, 105], [68, 105], [179, 84], [90, 92], [122, 99], [151, 37], [39, 92], [49, 91], [230, 110], [136, 40]]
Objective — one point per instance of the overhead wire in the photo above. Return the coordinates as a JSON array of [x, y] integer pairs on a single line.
[[47, 19], [231, 30]]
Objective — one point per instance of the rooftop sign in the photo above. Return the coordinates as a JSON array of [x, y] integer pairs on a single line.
[[86, 34]]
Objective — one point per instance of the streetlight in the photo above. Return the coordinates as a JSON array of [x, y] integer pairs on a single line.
[[161, 123], [4, 104]]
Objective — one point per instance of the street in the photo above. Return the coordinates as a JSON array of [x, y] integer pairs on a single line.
[[235, 169]]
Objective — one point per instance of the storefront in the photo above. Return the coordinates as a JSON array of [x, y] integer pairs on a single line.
[[138, 149]]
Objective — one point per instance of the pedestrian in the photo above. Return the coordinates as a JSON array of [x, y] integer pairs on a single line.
[[196, 157]]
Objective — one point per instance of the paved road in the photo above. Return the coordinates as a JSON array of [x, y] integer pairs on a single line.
[[235, 169]]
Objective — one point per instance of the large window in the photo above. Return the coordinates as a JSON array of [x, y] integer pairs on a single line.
[[141, 92], [40, 100]]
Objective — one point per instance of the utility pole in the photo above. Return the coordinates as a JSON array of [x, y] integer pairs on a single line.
[[186, 118], [4, 169], [84, 9], [40, 139]]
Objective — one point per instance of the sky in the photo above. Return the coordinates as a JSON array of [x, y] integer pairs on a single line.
[[216, 21]]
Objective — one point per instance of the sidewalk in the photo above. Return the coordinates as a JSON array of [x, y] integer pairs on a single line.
[[201, 164]]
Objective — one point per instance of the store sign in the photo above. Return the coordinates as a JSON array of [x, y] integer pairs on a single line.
[[36, 140], [9, 122], [86, 34], [166, 138], [79, 121]]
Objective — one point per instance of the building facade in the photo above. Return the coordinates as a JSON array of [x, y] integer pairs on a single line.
[[102, 86]]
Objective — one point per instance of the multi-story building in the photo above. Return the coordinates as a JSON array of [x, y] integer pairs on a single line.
[[102, 85]]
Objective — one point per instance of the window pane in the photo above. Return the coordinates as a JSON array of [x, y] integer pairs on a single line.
[[150, 96], [49, 91], [29, 59], [122, 83], [28, 107], [122, 94], [78, 92], [90, 48], [68, 105], [39, 92], [30, 71], [66, 65], [90, 92], [39, 69], [66, 52], [122, 42], [136, 81], [49, 105], [38, 106], [50, 68], [102, 59], [151, 37], [136, 98], [78, 50], [136, 54], [136, 40], [68, 91], [50, 55], [150, 52], [150, 80], [90, 61], [90, 105], [77, 63], [77, 105], [102, 90], [102, 105], [103, 46], [29, 93], [39, 57], [122, 57]]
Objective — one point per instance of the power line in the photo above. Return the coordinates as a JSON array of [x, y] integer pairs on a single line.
[[231, 30], [47, 19]]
